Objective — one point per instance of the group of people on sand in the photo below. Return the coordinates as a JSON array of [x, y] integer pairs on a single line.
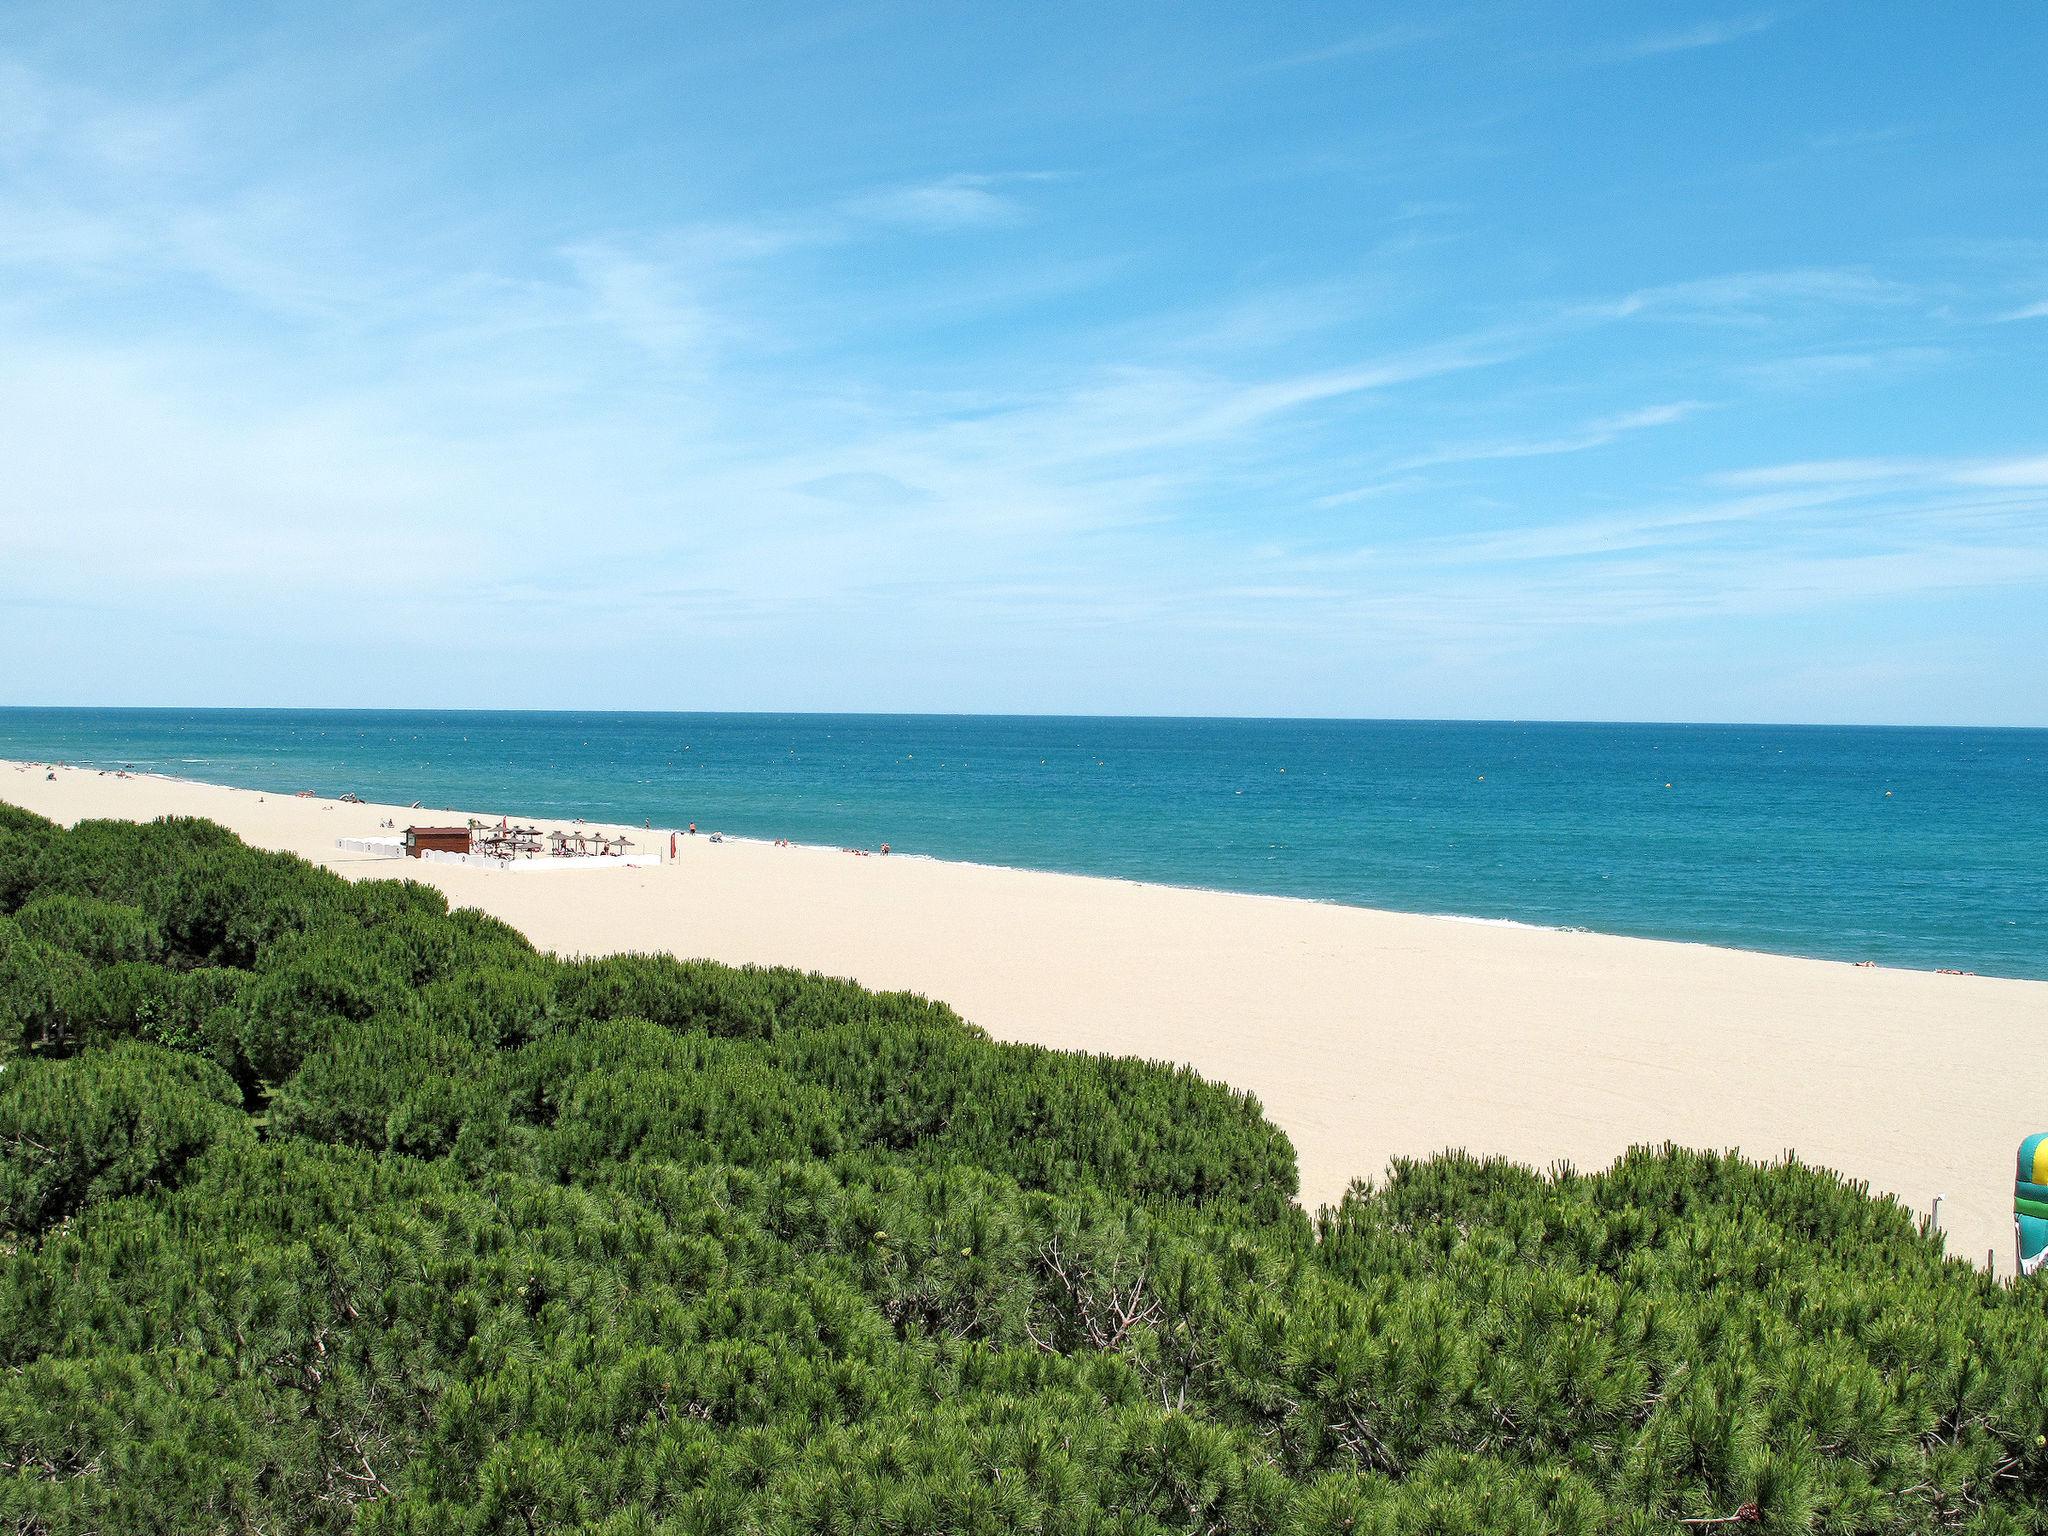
[[674, 846], [783, 842]]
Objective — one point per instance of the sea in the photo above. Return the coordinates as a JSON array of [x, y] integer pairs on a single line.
[[1920, 847]]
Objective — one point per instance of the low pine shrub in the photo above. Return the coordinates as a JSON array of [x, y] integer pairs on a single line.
[[104, 932], [104, 1124]]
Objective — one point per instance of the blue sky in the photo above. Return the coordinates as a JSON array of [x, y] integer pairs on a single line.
[[1627, 361]]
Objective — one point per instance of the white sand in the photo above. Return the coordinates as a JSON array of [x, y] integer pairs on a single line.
[[1365, 1034]]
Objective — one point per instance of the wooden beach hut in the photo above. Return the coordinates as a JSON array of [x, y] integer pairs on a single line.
[[419, 840]]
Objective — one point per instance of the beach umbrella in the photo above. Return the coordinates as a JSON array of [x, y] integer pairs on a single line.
[[2030, 1203]]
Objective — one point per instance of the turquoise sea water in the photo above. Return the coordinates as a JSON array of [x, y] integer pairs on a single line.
[[1915, 847]]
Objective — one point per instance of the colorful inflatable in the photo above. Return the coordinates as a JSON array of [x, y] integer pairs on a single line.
[[2030, 1203]]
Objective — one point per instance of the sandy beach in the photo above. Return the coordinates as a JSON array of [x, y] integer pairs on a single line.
[[1366, 1035]]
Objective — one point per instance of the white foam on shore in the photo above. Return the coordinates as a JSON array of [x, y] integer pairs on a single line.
[[1516, 922]]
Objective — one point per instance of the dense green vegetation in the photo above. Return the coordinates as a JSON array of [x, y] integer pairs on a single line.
[[323, 1208]]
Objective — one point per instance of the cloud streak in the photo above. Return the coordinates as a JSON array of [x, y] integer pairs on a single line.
[[1594, 434], [1362, 45], [1707, 34], [959, 201]]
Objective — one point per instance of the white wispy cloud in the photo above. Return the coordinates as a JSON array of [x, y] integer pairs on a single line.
[[1593, 434], [1739, 295], [1819, 370], [2025, 470], [1400, 485], [645, 301], [1706, 34], [2028, 312], [1362, 44], [2028, 472], [1761, 554], [961, 201], [1822, 472]]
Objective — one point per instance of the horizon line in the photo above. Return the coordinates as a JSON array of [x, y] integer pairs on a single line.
[[932, 714]]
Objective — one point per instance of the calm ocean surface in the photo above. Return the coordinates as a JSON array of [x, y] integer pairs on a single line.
[[1764, 837]]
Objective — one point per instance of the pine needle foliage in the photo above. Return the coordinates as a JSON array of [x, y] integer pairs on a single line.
[[326, 1209]]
